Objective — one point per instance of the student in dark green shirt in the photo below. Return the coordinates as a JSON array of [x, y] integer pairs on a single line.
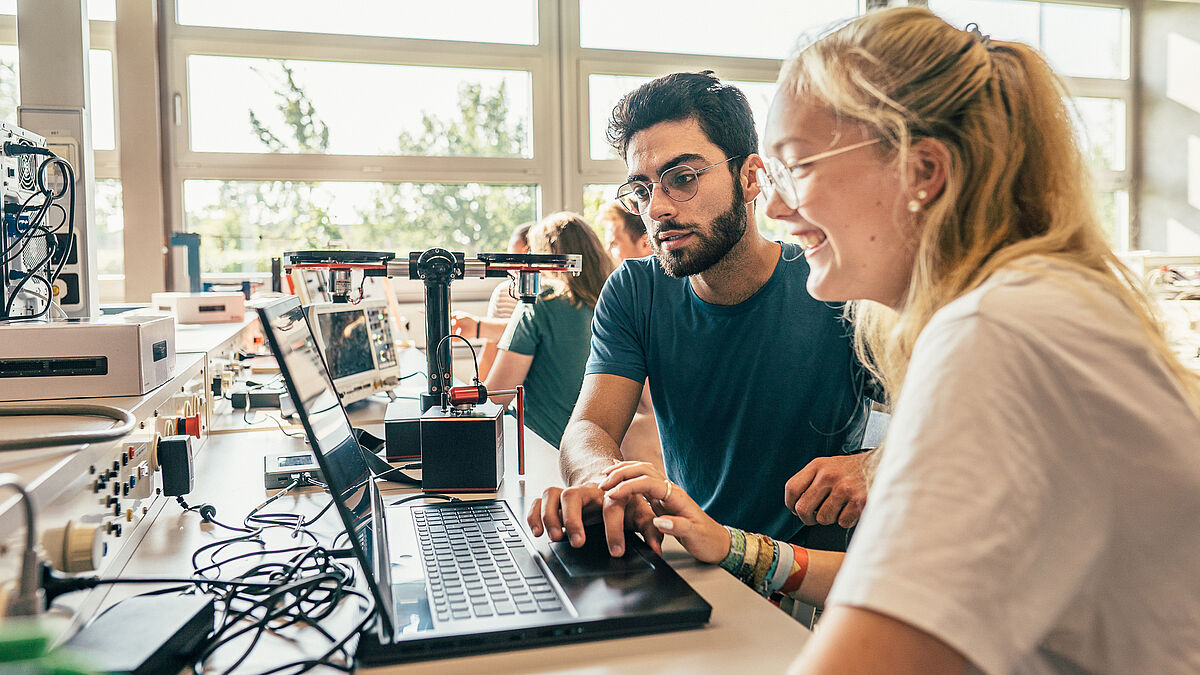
[[547, 343]]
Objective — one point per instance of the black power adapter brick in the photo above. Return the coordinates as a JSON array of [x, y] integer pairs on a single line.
[[145, 635], [266, 397]]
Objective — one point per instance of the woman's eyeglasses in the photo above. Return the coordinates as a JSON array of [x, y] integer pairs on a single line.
[[680, 183], [782, 179]]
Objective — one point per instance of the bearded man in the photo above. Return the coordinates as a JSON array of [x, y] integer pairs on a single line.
[[760, 403]]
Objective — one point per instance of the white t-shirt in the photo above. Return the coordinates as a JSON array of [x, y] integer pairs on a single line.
[[1037, 506], [502, 304]]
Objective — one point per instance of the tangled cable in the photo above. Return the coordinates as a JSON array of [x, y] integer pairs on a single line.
[[294, 586]]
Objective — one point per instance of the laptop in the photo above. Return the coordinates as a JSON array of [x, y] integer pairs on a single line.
[[458, 578]]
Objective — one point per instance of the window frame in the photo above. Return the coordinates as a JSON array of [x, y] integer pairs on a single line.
[[1124, 89], [559, 67], [542, 169], [579, 63], [102, 36]]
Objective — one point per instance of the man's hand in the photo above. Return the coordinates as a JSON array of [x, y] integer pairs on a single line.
[[829, 490], [561, 514], [590, 443]]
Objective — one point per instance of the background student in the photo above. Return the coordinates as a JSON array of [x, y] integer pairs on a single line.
[[546, 344]]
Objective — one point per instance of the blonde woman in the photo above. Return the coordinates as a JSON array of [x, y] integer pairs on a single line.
[[1034, 507], [546, 344]]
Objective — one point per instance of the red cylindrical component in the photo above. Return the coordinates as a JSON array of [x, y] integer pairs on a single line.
[[469, 395], [191, 425]]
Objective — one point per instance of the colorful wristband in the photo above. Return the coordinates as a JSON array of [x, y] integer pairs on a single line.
[[783, 567], [747, 569], [766, 557], [737, 550], [799, 569]]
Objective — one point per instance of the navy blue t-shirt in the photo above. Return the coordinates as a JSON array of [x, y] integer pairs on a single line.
[[745, 395]]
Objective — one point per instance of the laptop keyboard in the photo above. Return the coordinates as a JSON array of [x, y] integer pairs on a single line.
[[477, 564]]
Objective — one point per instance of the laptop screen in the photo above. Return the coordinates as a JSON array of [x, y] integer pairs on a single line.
[[307, 378]]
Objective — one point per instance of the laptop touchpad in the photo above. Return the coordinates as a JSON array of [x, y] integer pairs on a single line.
[[593, 560]]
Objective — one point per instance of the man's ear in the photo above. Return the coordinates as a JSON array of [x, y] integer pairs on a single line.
[[928, 162], [749, 177]]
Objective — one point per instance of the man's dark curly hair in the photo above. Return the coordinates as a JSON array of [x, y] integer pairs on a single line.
[[721, 110]]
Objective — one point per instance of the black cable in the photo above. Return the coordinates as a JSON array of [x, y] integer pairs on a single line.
[[208, 514], [295, 585], [23, 236], [469, 345], [68, 188], [432, 495], [248, 421], [296, 599], [12, 149], [34, 227], [54, 585]]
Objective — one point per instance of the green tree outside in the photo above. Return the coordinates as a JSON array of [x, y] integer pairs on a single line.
[[252, 221], [470, 216]]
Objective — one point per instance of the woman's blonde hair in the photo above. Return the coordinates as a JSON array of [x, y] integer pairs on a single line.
[[566, 233], [1016, 184]]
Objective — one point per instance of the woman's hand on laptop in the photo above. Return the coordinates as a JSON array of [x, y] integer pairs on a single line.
[[678, 514], [562, 513]]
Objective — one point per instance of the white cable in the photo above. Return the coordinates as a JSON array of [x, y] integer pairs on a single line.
[[53, 303], [28, 601], [69, 438]]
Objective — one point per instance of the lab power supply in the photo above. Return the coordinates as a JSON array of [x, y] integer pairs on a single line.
[[105, 356]]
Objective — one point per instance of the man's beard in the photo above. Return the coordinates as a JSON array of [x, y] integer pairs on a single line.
[[709, 249]]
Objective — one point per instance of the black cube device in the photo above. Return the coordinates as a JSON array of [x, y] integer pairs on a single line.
[[175, 460], [462, 451], [402, 430]]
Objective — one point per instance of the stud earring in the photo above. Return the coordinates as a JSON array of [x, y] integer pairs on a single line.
[[914, 205]]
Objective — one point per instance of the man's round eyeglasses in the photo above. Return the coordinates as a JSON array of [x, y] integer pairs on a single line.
[[680, 183], [782, 179]]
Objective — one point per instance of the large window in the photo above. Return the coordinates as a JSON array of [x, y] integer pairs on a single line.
[[389, 126], [761, 29], [326, 107], [742, 48], [243, 224], [604, 91], [1089, 46], [506, 21]]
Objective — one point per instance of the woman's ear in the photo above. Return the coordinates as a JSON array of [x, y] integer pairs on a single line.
[[928, 162]]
